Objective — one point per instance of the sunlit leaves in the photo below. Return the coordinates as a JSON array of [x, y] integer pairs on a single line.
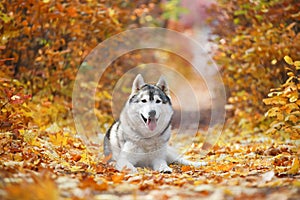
[[14, 111], [294, 167], [58, 139], [56, 164], [43, 44], [285, 102], [288, 60], [38, 187], [297, 64], [255, 41]]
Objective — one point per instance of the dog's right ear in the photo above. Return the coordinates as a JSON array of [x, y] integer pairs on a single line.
[[138, 83]]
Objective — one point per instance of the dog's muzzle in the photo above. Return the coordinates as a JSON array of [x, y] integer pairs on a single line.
[[151, 120]]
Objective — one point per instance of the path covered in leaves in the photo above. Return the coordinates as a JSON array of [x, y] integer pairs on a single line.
[[53, 164]]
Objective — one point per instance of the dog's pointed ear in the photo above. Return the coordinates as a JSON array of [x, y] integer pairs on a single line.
[[162, 84], [138, 83]]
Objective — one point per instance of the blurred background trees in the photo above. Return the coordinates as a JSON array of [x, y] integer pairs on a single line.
[[253, 38], [43, 43]]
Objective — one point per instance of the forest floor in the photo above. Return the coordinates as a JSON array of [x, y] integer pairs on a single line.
[[55, 164]]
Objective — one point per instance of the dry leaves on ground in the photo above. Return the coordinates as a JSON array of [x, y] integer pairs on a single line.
[[57, 165]]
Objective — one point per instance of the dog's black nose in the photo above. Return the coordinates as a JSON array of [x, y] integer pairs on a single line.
[[152, 113]]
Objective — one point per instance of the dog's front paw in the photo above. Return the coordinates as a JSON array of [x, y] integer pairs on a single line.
[[120, 166], [161, 166], [165, 169]]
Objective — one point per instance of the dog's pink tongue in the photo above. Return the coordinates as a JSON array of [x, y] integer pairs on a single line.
[[151, 124]]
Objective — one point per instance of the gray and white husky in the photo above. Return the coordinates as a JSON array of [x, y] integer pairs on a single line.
[[140, 137]]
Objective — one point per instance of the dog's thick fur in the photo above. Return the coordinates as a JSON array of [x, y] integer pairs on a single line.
[[140, 137]]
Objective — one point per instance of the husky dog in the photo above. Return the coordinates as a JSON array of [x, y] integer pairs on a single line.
[[140, 137]]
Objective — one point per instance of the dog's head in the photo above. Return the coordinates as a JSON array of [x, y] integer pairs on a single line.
[[149, 106]]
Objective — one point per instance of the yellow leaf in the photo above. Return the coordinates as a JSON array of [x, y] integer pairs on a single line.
[[297, 64], [294, 98], [290, 74], [275, 112], [275, 101], [295, 166], [273, 62], [288, 60], [58, 139]]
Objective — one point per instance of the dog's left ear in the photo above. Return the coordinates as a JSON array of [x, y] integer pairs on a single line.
[[137, 84], [162, 84]]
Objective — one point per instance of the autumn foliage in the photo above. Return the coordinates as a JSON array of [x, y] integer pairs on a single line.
[[285, 102], [253, 38], [42, 44]]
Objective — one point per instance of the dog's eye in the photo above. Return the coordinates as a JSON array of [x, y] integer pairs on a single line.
[[157, 101], [144, 101]]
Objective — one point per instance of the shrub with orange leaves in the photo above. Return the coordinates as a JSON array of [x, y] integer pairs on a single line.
[[253, 37], [49, 39], [43, 43], [285, 103], [14, 111]]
